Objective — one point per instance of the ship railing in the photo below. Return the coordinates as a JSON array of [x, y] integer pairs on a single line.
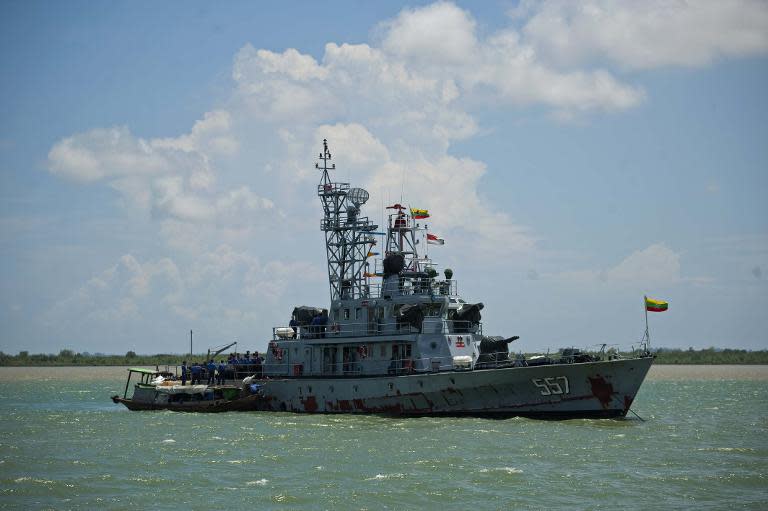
[[433, 364], [417, 286], [336, 330], [428, 286], [431, 325], [235, 373], [344, 221], [452, 326], [332, 189], [360, 366]]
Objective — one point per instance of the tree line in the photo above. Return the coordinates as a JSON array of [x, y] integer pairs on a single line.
[[67, 357], [710, 356]]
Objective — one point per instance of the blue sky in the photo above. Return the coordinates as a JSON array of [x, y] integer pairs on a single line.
[[156, 164]]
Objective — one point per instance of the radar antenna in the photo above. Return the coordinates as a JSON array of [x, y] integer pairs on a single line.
[[348, 236]]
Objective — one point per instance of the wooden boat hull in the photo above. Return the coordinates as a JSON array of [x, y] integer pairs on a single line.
[[244, 404]]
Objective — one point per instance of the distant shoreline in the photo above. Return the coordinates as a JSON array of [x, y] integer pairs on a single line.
[[69, 358]]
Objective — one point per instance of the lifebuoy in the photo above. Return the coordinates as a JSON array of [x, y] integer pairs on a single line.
[[279, 353]]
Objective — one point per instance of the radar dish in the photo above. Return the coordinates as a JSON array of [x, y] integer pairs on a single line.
[[358, 196]]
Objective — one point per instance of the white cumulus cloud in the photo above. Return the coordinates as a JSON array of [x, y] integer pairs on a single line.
[[647, 34], [235, 193]]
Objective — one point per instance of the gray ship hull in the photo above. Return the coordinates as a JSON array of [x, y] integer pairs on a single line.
[[592, 389]]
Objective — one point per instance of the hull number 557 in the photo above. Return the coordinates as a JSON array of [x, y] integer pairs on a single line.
[[550, 386]]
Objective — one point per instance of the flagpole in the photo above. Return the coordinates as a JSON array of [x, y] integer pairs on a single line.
[[647, 335]]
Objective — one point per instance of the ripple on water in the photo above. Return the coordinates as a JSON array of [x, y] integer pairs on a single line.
[[703, 442], [384, 477], [506, 470]]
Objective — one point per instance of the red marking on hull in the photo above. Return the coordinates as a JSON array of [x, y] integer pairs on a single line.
[[344, 405], [602, 390], [359, 404], [310, 404]]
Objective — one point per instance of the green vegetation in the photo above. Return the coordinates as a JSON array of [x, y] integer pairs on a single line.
[[71, 358], [710, 356]]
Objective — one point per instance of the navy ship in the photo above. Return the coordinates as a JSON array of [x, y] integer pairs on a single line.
[[398, 338]]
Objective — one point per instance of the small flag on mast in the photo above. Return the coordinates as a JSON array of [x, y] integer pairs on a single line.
[[652, 305], [432, 239], [419, 214]]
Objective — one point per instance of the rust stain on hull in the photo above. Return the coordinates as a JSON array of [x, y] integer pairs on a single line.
[[602, 390], [310, 404]]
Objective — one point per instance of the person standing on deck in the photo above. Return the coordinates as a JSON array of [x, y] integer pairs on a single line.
[[314, 327], [259, 365], [211, 372], [183, 373], [323, 322], [196, 369], [221, 369]]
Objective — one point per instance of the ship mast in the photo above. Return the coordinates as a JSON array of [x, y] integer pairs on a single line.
[[348, 236], [401, 237]]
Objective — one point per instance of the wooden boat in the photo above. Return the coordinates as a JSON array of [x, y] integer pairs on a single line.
[[158, 390]]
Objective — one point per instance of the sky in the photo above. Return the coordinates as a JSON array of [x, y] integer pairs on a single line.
[[157, 164]]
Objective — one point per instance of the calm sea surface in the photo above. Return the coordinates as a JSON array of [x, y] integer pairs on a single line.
[[64, 445]]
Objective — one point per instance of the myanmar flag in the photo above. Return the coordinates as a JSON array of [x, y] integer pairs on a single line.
[[652, 305], [418, 214]]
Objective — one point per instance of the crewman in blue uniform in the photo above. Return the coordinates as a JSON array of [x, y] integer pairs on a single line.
[[196, 370], [211, 372], [222, 368], [184, 373]]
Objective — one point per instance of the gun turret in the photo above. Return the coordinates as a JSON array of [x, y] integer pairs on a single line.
[[495, 349]]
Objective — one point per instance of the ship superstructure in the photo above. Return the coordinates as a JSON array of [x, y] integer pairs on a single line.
[[398, 338]]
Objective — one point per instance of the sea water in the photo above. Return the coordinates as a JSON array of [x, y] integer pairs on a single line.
[[703, 444]]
